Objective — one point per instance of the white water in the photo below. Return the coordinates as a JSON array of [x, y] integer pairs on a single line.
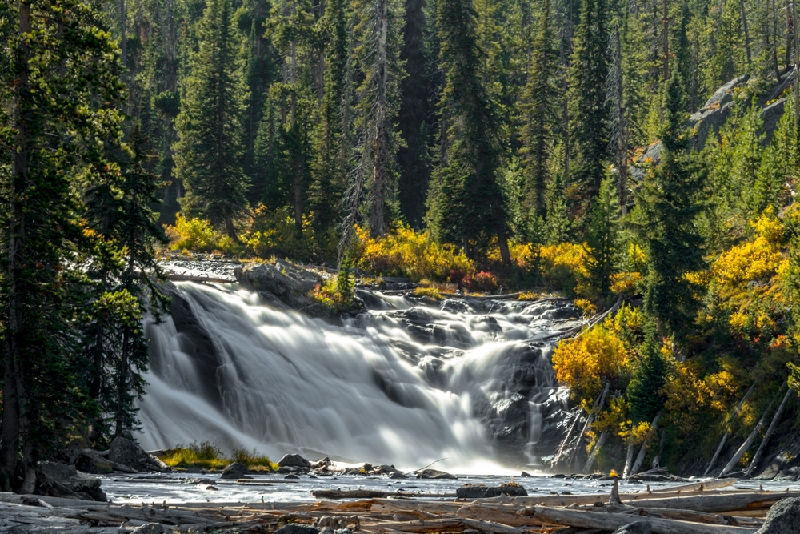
[[282, 383]]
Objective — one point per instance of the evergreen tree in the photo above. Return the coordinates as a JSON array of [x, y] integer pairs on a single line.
[[589, 110], [667, 208], [467, 202], [54, 140], [601, 239], [414, 118], [540, 98], [209, 152], [329, 167], [644, 391]]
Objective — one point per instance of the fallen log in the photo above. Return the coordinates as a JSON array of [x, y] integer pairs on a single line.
[[455, 524], [715, 503], [699, 486], [612, 521], [372, 494]]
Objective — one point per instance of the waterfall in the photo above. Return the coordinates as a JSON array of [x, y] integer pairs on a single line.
[[403, 383]]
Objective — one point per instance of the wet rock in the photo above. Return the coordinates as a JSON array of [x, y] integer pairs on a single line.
[[234, 471], [384, 470], [294, 528], [291, 477], [398, 476], [639, 527], [481, 491], [61, 480], [525, 474], [783, 518], [129, 453], [89, 462], [433, 474], [289, 283], [294, 460]]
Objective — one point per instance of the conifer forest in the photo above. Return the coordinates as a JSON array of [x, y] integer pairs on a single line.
[[638, 157]]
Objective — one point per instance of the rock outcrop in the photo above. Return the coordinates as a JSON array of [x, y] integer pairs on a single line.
[[481, 491], [783, 518], [62, 480], [129, 453]]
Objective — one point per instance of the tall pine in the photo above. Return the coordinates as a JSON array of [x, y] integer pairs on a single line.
[[209, 152]]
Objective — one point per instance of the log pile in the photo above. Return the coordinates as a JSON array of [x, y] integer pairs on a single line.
[[695, 509]]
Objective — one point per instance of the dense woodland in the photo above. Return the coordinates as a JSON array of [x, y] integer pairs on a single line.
[[482, 143]]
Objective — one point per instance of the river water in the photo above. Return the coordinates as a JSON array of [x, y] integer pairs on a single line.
[[467, 382]]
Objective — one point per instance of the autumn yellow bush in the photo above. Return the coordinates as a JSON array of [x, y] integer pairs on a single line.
[[600, 354], [195, 235], [274, 233], [564, 267], [406, 252]]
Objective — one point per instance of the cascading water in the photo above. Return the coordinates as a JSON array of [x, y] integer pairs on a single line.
[[402, 383]]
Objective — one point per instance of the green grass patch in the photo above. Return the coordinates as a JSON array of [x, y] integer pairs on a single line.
[[207, 455]]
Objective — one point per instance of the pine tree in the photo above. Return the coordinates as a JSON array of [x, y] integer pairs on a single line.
[[54, 141], [415, 115], [377, 49], [209, 152], [467, 202], [644, 392], [589, 110], [601, 239], [329, 166], [667, 208], [540, 98]]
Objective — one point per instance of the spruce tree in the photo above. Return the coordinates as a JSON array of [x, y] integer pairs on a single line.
[[54, 141], [209, 152], [601, 239], [667, 208], [589, 110], [414, 118], [467, 203], [644, 391], [540, 98]]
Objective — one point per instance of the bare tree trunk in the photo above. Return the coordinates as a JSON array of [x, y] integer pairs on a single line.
[[789, 36], [746, 28], [643, 451], [596, 408], [657, 459], [628, 458], [749, 441], [770, 430], [380, 175], [796, 67], [774, 44], [727, 432], [597, 446]]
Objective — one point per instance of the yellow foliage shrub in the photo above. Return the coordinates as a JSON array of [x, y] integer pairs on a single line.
[[564, 266], [405, 252], [585, 362], [273, 233], [195, 235]]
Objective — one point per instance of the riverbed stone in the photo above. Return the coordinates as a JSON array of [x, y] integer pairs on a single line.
[[639, 527], [62, 480], [294, 460], [234, 471], [433, 474], [783, 518], [482, 491], [127, 452]]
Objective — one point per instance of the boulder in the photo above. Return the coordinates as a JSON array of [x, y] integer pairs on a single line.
[[783, 518], [294, 460], [294, 528], [128, 453], [90, 462], [639, 527], [289, 283], [234, 471], [481, 491], [62, 480], [433, 474]]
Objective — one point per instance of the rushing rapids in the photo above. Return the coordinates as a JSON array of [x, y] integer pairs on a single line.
[[407, 382]]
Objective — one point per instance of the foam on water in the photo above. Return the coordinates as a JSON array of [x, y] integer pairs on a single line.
[[281, 382]]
